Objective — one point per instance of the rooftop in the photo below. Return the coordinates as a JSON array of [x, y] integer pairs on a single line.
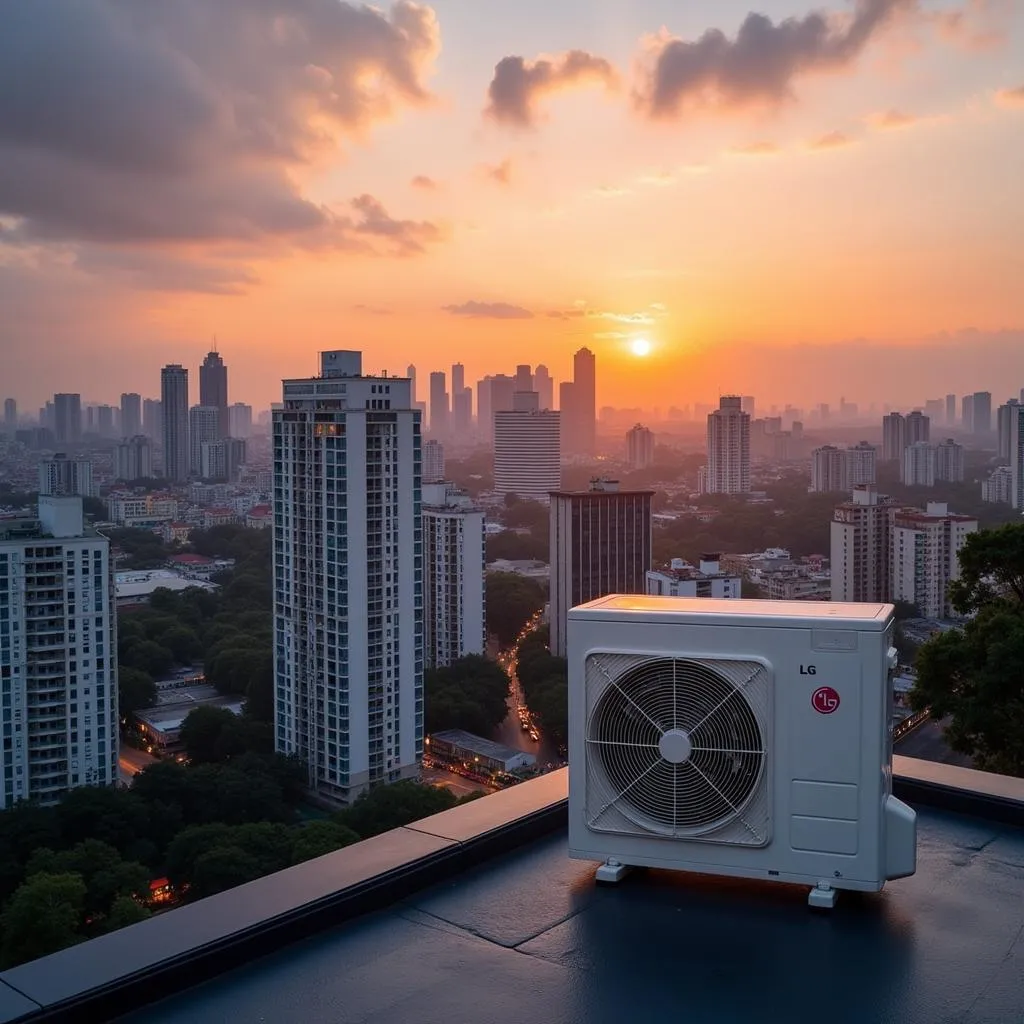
[[478, 914]]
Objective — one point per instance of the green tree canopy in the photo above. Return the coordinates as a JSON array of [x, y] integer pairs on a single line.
[[511, 601], [42, 917], [972, 675], [316, 838], [386, 807], [136, 690], [470, 694], [201, 734]]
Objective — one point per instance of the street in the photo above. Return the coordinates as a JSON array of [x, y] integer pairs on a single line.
[[131, 761], [927, 743], [458, 784]]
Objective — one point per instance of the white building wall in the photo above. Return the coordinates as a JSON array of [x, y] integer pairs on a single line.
[[527, 453]]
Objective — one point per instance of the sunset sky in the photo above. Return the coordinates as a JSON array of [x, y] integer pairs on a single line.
[[799, 204]]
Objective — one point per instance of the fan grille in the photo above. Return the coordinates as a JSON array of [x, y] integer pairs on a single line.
[[679, 745]]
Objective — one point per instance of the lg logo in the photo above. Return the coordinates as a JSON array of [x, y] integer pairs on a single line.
[[808, 670], [825, 700]]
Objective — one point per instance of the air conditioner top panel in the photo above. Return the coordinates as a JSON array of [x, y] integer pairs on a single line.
[[731, 612]]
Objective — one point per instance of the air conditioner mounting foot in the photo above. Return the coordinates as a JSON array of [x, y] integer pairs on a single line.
[[611, 871], [822, 896]]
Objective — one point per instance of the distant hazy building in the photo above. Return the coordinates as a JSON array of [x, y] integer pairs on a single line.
[[918, 465], [860, 537], [894, 437], [131, 414], [728, 448], [58, 639], [842, 469], [926, 557], [918, 427], [174, 412], [240, 420], [439, 405], [433, 461], [600, 544], [967, 413], [639, 447], [998, 488], [544, 386], [105, 420], [63, 476], [578, 405], [222, 459], [67, 414], [203, 427], [527, 452], [950, 410], [133, 459], [1017, 457], [213, 390], [453, 575], [1004, 426], [152, 419], [981, 407], [681, 579], [10, 415], [949, 461]]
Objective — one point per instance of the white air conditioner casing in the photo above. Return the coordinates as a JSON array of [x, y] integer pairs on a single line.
[[743, 738]]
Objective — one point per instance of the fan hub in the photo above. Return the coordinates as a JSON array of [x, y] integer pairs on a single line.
[[675, 746]]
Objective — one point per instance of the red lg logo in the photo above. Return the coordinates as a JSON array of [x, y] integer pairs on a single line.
[[825, 700]]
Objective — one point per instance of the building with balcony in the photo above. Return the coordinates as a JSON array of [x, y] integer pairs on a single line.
[[454, 543], [842, 469], [860, 538], [58, 654], [348, 578], [728, 449]]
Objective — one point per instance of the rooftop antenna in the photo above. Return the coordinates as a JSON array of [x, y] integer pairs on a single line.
[[215, 343]]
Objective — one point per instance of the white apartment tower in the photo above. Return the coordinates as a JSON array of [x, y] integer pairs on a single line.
[[860, 547], [918, 468], [204, 424], [842, 469], [640, 447], [133, 459], [949, 461], [728, 448], [527, 449], [998, 488], [348, 578], [58, 655], [453, 575], [894, 436], [926, 557], [61, 475], [433, 461]]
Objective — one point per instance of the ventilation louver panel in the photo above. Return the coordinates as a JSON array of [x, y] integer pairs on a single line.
[[678, 748]]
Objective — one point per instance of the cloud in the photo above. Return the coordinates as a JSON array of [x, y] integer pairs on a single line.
[[611, 191], [566, 314], [422, 181], [581, 310], [757, 149], [399, 237], [832, 140], [489, 311], [889, 119], [977, 26], [1013, 98], [155, 271], [186, 121], [761, 65], [519, 84], [500, 174]]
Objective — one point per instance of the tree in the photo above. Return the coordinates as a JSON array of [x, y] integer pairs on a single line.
[[511, 601], [316, 838], [202, 731], [972, 675], [146, 656], [386, 807], [42, 917], [135, 689], [123, 912], [471, 693]]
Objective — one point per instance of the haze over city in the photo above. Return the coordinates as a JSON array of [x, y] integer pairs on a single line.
[[431, 184]]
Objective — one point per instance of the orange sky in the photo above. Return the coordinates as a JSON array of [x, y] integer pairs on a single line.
[[835, 212]]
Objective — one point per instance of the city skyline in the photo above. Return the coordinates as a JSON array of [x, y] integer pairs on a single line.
[[474, 200]]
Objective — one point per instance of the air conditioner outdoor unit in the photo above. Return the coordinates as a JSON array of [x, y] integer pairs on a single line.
[[743, 738]]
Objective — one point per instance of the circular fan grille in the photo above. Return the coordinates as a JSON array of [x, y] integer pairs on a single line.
[[679, 743]]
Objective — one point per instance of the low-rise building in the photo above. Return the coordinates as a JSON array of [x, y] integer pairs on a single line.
[[136, 587], [681, 579], [475, 752]]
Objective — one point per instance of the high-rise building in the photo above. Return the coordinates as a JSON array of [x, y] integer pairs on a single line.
[[410, 372], [918, 427], [524, 377], [639, 447], [584, 378], [949, 461], [240, 420], [133, 459], [222, 458], [926, 557], [63, 476], [1017, 457], [967, 413], [860, 535], [131, 414], [749, 405], [67, 416], [105, 420], [600, 544], [998, 488], [544, 386], [462, 414], [527, 452], [433, 461], [843, 469], [10, 415], [213, 390], [453, 575], [174, 414], [935, 409], [981, 407], [348, 578], [894, 437], [918, 468], [950, 410], [203, 427], [152, 419], [458, 378], [728, 448], [58, 635], [439, 407], [1004, 420]]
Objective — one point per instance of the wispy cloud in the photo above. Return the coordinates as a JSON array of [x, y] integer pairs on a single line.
[[831, 140], [756, 149], [489, 310], [361, 307], [610, 191], [500, 173], [424, 182], [519, 84], [1010, 98], [891, 119]]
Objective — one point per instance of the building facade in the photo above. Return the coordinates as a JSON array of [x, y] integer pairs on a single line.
[[949, 461], [640, 447], [131, 415], [600, 544], [67, 418], [527, 453], [61, 475], [433, 461], [842, 469], [681, 579], [860, 539], [58, 655], [918, 469], [728, 448], [454, 623], [348, 578], [174, 421], [133, 459], [1017, 457], [213, 390], [1004, 421], [203, 428]]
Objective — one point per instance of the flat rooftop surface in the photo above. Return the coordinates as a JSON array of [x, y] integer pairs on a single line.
[[531, 938]]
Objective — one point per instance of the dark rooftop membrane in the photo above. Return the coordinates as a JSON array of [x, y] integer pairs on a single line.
[[516, 933]]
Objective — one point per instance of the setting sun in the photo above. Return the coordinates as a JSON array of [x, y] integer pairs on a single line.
[[640, 347]]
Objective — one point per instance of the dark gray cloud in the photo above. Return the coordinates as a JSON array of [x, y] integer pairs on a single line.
[[518, 83], [761, 64], [489, 310], [184, 120]]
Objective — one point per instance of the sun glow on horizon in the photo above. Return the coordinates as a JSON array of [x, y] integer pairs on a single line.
[[640, 347]]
